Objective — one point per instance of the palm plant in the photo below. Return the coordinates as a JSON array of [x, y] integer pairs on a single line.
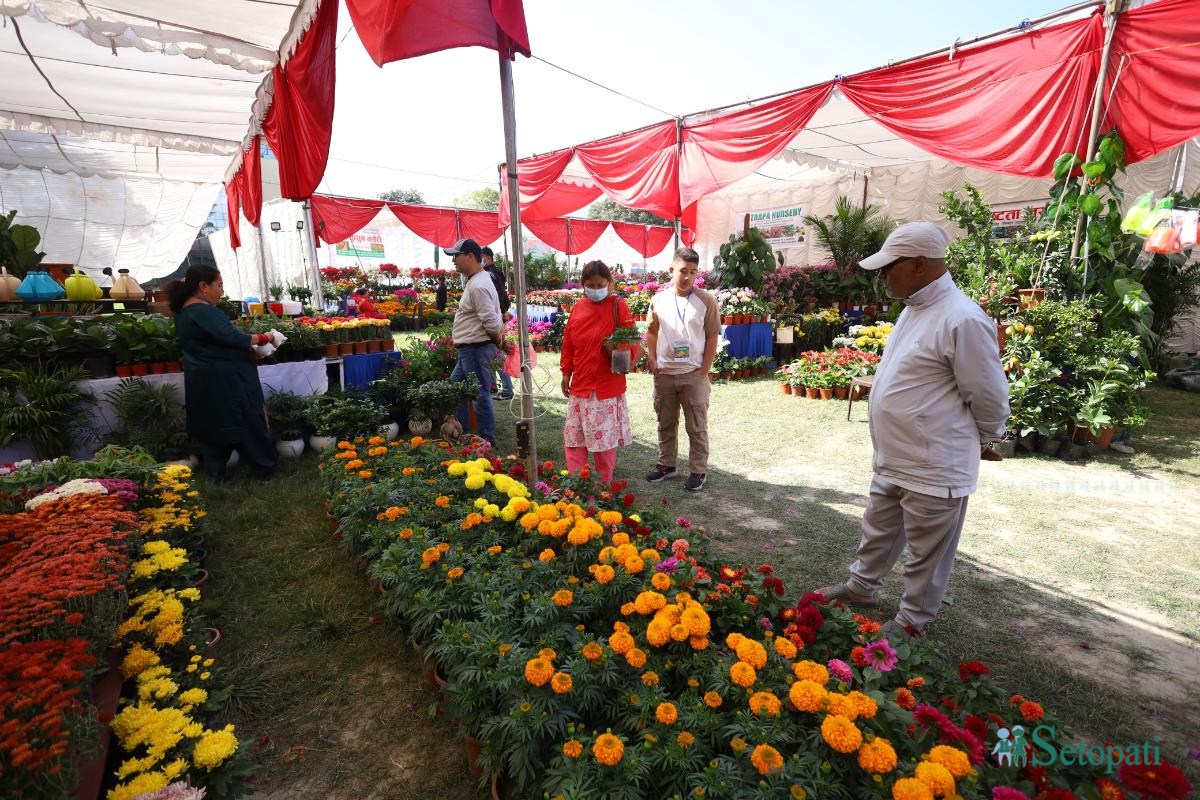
[[148, 416], [851, 233], [43, 406]]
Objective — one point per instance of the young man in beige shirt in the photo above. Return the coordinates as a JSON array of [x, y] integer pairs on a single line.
[[685, 327]]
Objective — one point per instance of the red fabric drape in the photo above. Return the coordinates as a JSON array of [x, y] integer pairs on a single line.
[[585, 233], [251, 187], [482, 226], [536, 177], [392, 30], [1155, 57], [339, 218], [435, 225], [727, 148], [232, 206], [648, 240], [1010, 106], [571, 237], [551, 231], [638, 169], [300, 121]]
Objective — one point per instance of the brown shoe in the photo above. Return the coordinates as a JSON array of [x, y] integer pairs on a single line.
[[842, 594]]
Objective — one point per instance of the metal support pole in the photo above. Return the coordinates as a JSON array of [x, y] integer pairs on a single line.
[[1111, 10], [518, 261], [262, 262], [315, 271], [679, 153]]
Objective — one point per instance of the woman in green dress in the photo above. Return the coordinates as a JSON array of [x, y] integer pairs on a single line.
[[222, 394]]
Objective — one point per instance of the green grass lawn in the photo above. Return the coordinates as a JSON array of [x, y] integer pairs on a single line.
[[1078, 583]]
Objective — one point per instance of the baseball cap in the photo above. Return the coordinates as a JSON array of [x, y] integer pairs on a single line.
[[910, 240], [464, 246]]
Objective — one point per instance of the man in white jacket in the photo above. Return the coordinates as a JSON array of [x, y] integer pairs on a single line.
[[939, 400]]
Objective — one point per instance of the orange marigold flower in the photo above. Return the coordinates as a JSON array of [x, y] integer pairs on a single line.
[[546, 555], [650, 678], [608, 749], [455, 573], [1032, 711], [627, 609], [841, 705], [807, 696], [562, 598], [784, 648], [634, 564], [915, 683], [765, 704], [743, 674], [592, 651], [572, 748], [811, 671], [910, 789], [953, 759], [841, 734], [604, 574], [621, 642], [636, 658], [442, 502], [766, 759], [547, 653], [936, 777], [494, 549], [712, 700], [685, 739], [737, 744], [538, 671], [405, 533], [698, 642], [666, 713], [877, 756], [344, 445], [752, 652], [366, 473], [661, 581], [561, 683]]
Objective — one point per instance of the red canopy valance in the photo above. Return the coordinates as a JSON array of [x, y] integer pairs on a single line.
[[393, 30], [435, 225]]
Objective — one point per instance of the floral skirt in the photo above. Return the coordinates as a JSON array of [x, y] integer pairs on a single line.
[[597, 424]]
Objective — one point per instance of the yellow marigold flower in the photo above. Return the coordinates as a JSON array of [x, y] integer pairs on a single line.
[[766, 759], [636, 658], [546, 555], [743, 674], [474, 482], [841, 705], [784, 648], [936, 777], [651, 556], [661, 581], [877, 756], [666, 713], [214, 747], [455, 573], [765, 704], [867, 708], [547, 653], [634, 565], [712, 699], [572, 748], [604, 574], [733, 640], [592, 651], [811, 671], [738, 744], [621, 642], [685, 739], [841, 734], [562, 598], [910, 789], [538, 671], [953, 759], [650, 678], [561, 683], [578, 536], [807, 696], [608, 749]]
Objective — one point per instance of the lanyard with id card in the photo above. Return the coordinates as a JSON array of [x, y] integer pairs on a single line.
[[681, 348]]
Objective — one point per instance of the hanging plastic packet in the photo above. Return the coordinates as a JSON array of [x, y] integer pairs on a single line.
[[1137, 213], [1189, 222], [1151, 221]]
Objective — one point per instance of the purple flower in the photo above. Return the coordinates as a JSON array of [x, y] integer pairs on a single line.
[[881, 656], [542, 487], [765, 622], [668, 565], [840, 670]]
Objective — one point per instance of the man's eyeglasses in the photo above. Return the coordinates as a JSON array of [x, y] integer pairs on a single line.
[[884, 269]]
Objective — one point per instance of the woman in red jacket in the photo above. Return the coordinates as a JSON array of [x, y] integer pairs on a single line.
[[597, 417]]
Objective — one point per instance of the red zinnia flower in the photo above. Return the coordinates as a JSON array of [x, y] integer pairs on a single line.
[[1155, 781], [971, 669]]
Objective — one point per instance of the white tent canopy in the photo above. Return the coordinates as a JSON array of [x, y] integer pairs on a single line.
[[158, 95]]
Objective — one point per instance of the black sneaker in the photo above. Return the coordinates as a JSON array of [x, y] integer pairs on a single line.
[[695, 482], [660, 473]]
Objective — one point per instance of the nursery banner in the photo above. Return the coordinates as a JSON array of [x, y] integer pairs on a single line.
[[367, 243], [780, 226], [1006, 217]]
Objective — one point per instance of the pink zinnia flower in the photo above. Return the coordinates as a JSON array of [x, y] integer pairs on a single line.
[[1008, 793], [840, 670], [881, 656]]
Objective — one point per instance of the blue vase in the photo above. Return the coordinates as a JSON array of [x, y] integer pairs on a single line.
[[39, 287]]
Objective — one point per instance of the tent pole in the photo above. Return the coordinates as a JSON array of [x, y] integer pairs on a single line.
[[525, 427], [262, 259], [311, 246], [1111, 9], [679, 154]]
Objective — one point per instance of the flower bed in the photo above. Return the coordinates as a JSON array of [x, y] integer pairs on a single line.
[[603, 652], [85, 574]]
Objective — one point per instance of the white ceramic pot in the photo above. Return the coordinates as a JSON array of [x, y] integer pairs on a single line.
[[233, 459], [191, 462], [391, 431], [420, 427], [289, 448], [320, 443]]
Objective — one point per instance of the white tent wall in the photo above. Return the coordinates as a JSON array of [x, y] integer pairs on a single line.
[[145, 225]]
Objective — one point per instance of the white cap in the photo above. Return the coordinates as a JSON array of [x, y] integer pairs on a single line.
[[910, 240]]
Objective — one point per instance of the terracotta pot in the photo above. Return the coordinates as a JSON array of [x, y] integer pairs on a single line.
[[124, 370], [785, 388], [374, 345], [345, 348], [360, 564], [360, 348], [812, 392], [389, 345], [826, 392], [106, 692], [841, 392], [174, 366], [214, 638], [727, 319], [798, 392], [431, 673], [330, 350], [333, 522], [1104, 439], [474, 748], [202, 582], [1028, 298], [140, 370], [158, 368]]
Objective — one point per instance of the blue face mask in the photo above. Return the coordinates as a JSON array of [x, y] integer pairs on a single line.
[[596, 295]]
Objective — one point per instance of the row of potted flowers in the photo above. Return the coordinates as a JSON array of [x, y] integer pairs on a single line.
[[97, 580], [593, 649], [826, 374]]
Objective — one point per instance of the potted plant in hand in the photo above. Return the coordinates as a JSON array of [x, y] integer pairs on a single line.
[[287, 413], [622, 347]]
